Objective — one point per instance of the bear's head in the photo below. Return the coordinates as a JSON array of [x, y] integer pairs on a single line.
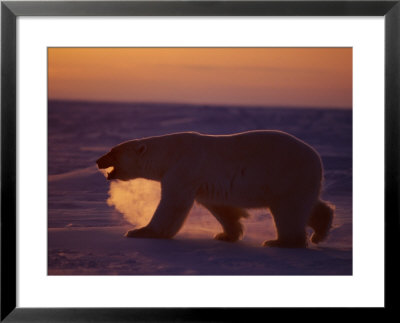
[[124, 159]]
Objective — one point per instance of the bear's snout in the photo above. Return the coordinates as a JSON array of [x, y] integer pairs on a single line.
[[104, 161]]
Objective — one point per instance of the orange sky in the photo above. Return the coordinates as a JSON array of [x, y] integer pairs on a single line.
[[315, 77]]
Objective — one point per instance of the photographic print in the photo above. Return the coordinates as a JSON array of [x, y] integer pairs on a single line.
[[199, 161]]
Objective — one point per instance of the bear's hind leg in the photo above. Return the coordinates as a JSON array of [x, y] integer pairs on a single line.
[[290, 218], [229, 217]]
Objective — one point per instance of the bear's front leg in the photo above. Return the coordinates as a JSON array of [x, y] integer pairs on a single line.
[[171, 212]]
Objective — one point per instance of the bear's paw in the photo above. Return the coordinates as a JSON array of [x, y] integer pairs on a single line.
[[144, 232], [225, 237], [299, 243]]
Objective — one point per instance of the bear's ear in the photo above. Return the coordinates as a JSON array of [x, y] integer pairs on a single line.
[[141, 149]]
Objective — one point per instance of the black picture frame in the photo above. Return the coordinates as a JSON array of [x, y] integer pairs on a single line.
[[10, 10]]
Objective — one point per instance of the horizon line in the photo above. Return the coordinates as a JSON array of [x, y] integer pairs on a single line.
[[222, 105]]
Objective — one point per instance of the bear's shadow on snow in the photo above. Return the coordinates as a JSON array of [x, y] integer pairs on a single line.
[[210, 257]]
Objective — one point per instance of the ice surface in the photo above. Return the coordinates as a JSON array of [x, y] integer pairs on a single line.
[[87, 223]]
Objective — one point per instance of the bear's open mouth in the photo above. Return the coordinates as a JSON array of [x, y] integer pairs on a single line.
[[108, 172]]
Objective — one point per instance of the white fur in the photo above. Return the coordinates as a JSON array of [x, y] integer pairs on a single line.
[[226, 174]]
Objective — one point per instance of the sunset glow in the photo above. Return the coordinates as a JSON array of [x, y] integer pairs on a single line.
[[304, 77]]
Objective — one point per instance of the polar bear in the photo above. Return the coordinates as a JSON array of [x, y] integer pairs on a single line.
[[228, 174]]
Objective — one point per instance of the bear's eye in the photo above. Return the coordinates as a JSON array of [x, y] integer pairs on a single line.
[[114, 152]]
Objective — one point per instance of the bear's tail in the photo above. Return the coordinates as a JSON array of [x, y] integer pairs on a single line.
[[321, 220]]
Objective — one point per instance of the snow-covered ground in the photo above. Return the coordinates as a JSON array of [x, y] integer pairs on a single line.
[[87, 219]]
